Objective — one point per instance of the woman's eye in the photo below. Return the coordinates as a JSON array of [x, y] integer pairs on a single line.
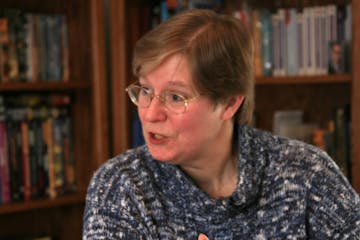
[[174, 97], [145, 91]]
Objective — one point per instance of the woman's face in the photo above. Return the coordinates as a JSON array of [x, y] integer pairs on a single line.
[[179, 138]]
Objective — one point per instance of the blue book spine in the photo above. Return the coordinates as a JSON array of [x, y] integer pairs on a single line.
[[53, 37], [266, 42]]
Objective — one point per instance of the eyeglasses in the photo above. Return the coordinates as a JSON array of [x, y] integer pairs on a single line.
[[142, 96]]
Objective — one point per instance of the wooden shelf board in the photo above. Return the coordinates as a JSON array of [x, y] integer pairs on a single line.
[[42, 203], [41, 86], [318, 79]]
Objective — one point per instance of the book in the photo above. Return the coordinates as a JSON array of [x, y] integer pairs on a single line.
[[266, 42], [291, 41], [58, 151], [256, 30], [40, 145], [275, 44], [49, 161], [53, 44], [336, 57], [13, 21], [347, 23], [5, 196], [285, 122], [282, 47], [33, 138], [300, 41], [4, 50], [32, 49], [26, 184], [342, 139], [14, 117], [65, 50], [69, 163]]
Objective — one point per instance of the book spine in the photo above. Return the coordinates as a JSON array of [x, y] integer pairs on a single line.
[[19, 191], [21, 46], [58, 152], [292, 44], [41, 31], [25, 160], [323, 42], [317, 41], [276, 44], [312, 35], [300, 39], [282, 43], [49, 156], [4, 165], [42, 155], [31, 50], [348, 22], [32, 154], [333, 22], [65, 50], [69, 155], [11, 48], [266, 42], [53, 53], [342, 140], [4, 50]]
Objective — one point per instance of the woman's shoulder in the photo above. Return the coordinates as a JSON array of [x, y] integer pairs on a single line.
[[123, 168], [291, 155], [131, 158]]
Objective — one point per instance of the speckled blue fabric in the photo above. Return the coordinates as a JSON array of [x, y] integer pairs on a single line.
[[286, 190]]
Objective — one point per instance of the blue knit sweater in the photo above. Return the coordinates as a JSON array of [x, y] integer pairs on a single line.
[[286, 190]]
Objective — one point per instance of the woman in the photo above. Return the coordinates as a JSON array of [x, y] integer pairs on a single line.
[[204, 173]]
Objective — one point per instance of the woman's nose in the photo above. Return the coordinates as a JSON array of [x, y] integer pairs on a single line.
[[156, 111]]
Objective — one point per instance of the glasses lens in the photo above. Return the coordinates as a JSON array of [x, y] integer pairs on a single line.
[[140, 96], [175, 102], [133, 93]]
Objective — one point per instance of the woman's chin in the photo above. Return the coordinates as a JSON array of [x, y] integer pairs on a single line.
[[161, 156]]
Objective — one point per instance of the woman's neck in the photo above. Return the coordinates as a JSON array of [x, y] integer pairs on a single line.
[[216, 173]]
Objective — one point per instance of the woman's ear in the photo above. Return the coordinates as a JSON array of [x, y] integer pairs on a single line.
[[231, 107]]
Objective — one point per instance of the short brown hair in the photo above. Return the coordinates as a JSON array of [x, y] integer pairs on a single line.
[[219, 51]]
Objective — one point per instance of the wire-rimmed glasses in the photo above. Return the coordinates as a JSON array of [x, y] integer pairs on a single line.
[[142, 96]]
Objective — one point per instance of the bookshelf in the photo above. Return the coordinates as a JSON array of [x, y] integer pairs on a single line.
[[61, 217], [316, 95], [355, 98]]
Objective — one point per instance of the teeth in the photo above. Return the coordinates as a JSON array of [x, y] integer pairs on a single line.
[[157, 136]]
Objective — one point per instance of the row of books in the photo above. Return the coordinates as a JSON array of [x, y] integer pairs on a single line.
[[156, 11], [334, 138], [33, 47], [311, 41], [36, 155], [290, 41]]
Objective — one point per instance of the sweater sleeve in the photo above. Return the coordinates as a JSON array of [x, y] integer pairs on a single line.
[[333, 205], [109, 212]]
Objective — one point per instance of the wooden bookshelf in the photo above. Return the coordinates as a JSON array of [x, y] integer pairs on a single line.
[[37, 204], [61, 217], [355, 97]]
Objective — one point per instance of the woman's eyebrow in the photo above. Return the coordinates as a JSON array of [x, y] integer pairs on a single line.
[[179, 84]]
